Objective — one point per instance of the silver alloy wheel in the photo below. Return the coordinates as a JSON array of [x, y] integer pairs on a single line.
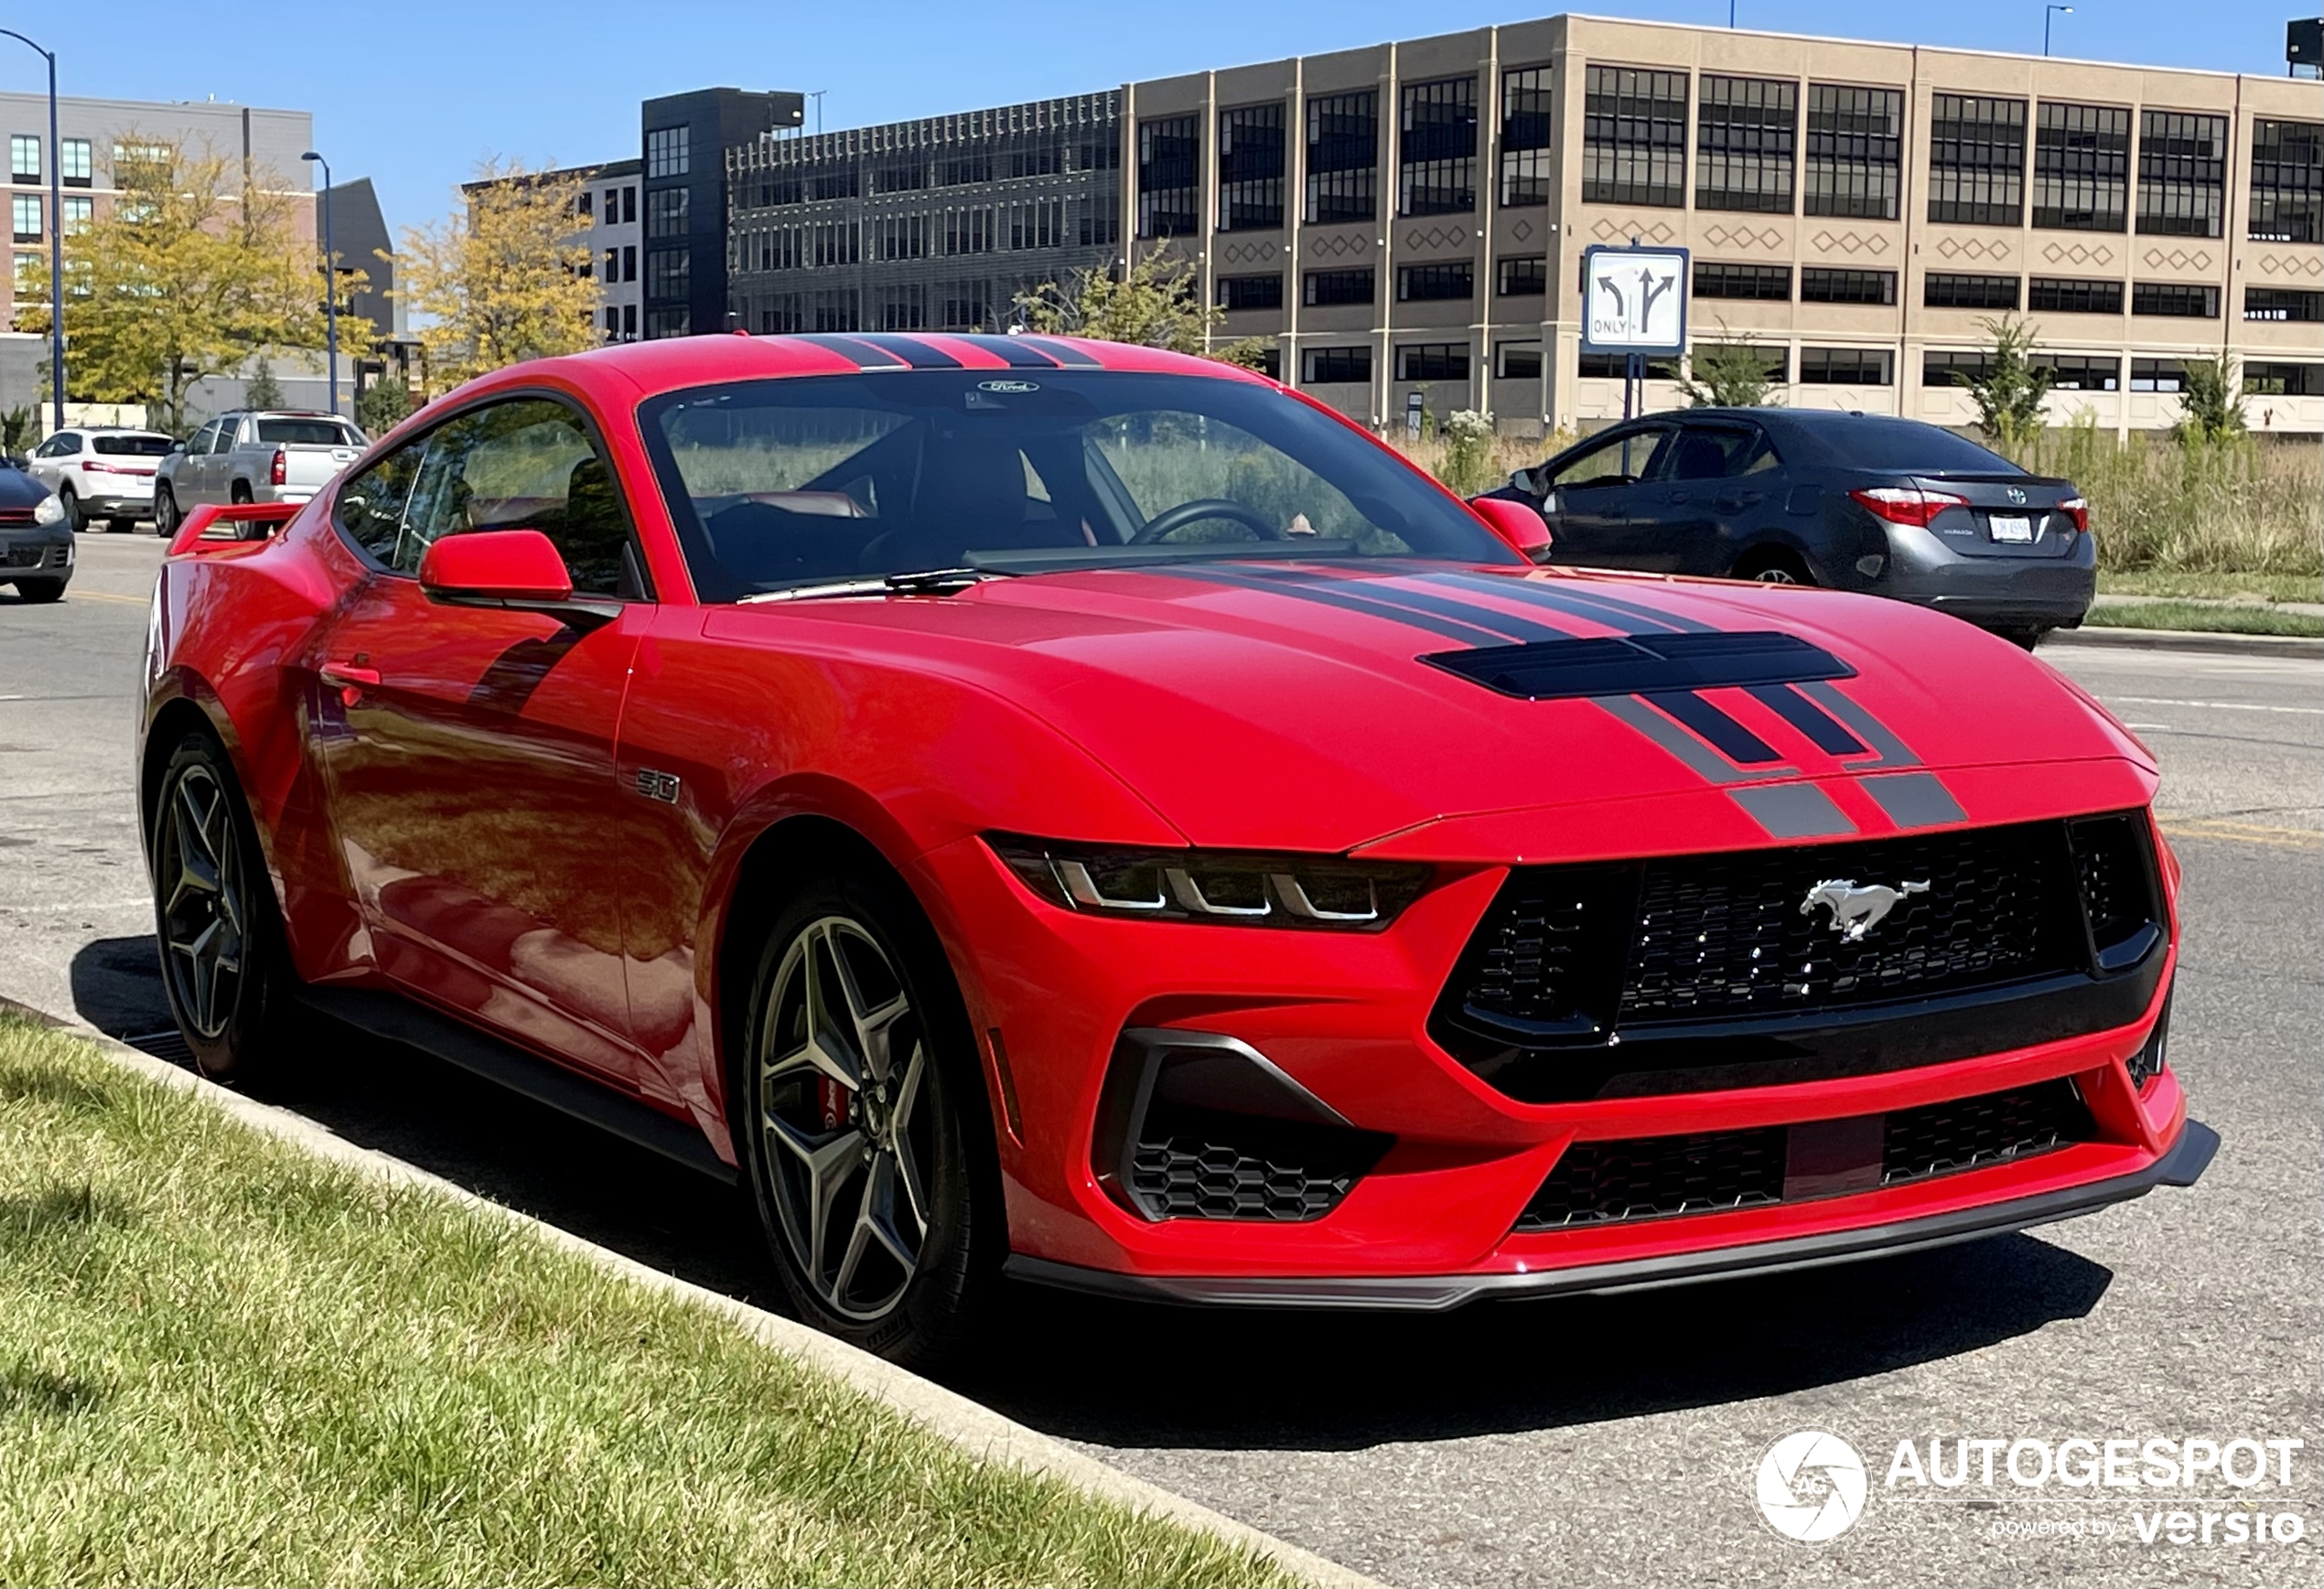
[[1779, 575], [841, 1066], [204, 913]]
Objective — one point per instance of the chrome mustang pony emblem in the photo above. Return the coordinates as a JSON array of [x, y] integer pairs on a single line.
[[1856, 911]]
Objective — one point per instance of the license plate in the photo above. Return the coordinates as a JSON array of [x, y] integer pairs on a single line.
[[2010, 528]]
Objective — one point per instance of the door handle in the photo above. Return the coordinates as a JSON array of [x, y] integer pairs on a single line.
[[349, 679]]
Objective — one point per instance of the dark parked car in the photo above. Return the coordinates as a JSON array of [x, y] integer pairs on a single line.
[[35, 542], [1853, 500]]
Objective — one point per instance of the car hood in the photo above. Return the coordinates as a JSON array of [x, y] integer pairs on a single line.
[[1326, 706]]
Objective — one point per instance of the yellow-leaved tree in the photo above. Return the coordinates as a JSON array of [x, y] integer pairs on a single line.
[[196, 266], [502, 279]]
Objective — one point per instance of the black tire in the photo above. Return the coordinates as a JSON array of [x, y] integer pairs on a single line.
[[41, 590], [121, 526], [2026, 637], [240, 493], [914, 1133], [225, 963], [165, 512], [1773, 566], [70, 500]]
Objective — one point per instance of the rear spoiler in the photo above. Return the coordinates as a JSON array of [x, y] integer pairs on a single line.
[[239, 521]]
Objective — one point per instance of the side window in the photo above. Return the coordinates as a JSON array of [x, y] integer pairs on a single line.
[[1710, 453], [523, 465], [228, 432], [370, 505], [59, 446], [1618, 461], [199, 443]]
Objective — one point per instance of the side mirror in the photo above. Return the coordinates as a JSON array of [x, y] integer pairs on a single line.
[[1517, 524], [1528, 481], [177, 447], [519, 570]]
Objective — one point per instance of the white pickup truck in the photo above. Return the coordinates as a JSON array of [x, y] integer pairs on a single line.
[[253, 455]]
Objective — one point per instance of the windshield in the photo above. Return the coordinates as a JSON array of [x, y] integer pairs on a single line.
[[319, 432], [133, 447], [807, 480]]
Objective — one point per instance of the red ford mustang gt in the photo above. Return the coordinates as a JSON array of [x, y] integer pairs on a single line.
[[1034, 808]]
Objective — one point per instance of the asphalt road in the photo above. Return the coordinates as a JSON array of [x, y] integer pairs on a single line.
[[1605, 1441]]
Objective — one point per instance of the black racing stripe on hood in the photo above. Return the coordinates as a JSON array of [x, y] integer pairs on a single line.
[[1065, 353], [1711, 725], [1629, 617], [1013, 351], [863, 354], [911, 350], [1824, 730], [1340, 599], [1389, 592]]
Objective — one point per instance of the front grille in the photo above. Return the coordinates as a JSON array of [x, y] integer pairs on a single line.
[[24, 556], [1648, 976], [1654, 1178]]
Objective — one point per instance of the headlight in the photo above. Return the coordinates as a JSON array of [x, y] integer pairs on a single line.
[[49, 511], [1226, 886]]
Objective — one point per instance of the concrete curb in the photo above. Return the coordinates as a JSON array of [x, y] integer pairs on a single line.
[[2282, 645], [976, 1429]]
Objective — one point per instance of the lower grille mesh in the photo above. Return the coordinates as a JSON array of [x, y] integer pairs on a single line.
[[1188, 1179]]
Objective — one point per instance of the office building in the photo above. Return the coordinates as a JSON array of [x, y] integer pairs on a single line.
[[685, 191]]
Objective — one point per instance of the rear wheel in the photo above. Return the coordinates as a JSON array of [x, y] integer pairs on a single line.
[[1773, 566], [865, 1133], [224, 961], [165, 512], [240, 493], [121, 526], [41, 590], [2027, 637]]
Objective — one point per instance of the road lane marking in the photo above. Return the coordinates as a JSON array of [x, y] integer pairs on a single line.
[[2214, 705], [107, 595], [2242, 833]]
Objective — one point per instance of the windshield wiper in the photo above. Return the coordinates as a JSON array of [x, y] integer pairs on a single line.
[[920, 582]]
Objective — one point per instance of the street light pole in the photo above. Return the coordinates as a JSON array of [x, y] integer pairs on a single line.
[[2049, 13], [56, 238], [330, 281]]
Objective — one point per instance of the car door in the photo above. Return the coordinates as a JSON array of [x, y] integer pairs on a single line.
[[1593, 493], [1709, 482], [47, 458], [468, 751], [191, 483]]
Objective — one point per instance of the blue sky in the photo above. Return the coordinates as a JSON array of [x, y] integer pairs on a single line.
[[457, 82]]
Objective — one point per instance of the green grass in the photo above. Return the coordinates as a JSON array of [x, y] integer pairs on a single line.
[[2165, 583], [2183, 615], [222, 1361]]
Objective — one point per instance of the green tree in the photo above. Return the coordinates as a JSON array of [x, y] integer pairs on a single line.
[[15, 430], [1729, 374], [260, 389], [381, 407], [2212, 407], [503, 280], [196, 262], [2009, 390], [1153, 302]]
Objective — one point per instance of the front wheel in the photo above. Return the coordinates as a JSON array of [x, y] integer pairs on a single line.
[[2026, 637], [69, 500], [41, 590], [165, 512], [865, 1131]]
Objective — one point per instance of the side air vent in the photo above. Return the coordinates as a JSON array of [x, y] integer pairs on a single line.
[[1642, 664], [1194, 1125]]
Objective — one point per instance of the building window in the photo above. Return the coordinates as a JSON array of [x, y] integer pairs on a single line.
[[1517, 360], [968, 231], [2174, 300], [630, 322], [904, 307], [610, 215], [901, 237], [584, 203], [2070, 296], [76, 163], [1101, 223], [1329, 287], [2081, 372], [2182, 174], [2259, 303], [1335, 367], [1251, 169], [669, 323], [2157, 375], [1440, 282], [1634, 137], [2287, 182], [1951, 366], [1040, 224], [900, 176], [628, 205], [630, 262], [1439, 176], [1776, 362], [964, 305], [1524, 275], [2283, 379], [1251, 292], [1343, 157], [668, 273], [1746, 132], [2081, 168], [1433, 362], [613, 264], [1856, 150], [24, 159], [964, 169], [1753, 283], [1846, 367], [1526, 131], [843, 182], [77, 215], [1169, 182], [612, 322], [1976, 160], [1829, 284], [666, 152], [1615, 367], [28, 266], [1943, 290], [666, 211], [28, 217]]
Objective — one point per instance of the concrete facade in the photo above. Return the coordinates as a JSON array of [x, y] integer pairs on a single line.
[[2008, 179]]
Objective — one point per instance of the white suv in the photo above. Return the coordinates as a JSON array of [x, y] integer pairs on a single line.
[[99, 472]]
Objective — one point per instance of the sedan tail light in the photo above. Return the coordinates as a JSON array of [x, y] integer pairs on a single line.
[[1907, 504], [2076, 508], [280, 473]]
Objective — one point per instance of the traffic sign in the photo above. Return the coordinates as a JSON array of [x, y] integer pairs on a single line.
[[1634, 300]]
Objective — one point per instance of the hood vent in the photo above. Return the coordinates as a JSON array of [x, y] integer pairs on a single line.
[[1642, 664]]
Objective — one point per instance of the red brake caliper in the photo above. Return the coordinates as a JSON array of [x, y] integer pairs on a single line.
[[831, 1101]]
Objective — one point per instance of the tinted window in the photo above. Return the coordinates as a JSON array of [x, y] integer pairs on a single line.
[[371, 504], [1617, 461], [131, 446], [801, 481], [1708, 452], [1903, 447], [526, 465], [327, 433]]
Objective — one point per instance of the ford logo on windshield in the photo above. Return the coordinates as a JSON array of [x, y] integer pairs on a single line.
[[1010, 386]]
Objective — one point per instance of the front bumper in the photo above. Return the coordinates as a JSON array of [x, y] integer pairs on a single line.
[[1993, 590], [44, 554]]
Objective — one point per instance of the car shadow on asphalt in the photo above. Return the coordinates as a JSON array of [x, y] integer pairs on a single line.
[[1128, 1374]]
